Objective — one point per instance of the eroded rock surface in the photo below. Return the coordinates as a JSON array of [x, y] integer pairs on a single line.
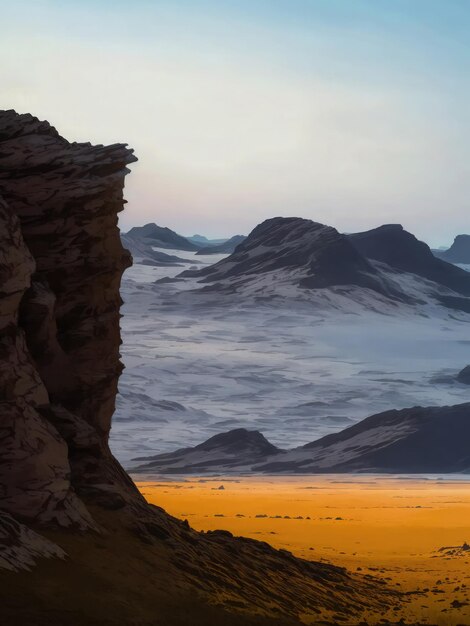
[[20, 547], [60, 269]]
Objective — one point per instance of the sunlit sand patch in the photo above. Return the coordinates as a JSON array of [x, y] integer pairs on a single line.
[[411, 532]]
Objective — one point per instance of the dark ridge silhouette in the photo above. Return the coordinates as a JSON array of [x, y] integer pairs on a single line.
[[320, 256], [162, 237], [459, 252], [396, 247], [227, 247]]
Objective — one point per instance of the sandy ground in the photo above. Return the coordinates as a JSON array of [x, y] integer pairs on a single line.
[[388, 527]]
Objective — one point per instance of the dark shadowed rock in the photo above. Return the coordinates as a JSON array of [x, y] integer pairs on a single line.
[[459, 252], [464, 375], [161, 237], [143, 252], [313, 255], [235, 448], [416, 440], [20, 547], [393, 245], [60, 271]]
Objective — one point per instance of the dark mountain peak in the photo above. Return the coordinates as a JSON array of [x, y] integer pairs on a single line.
[[147, 230], [239, 440], [233, 449], [393, 245], [309, 254], [459, 252], [390, 228], [415, 440], [464, 375], [162, 237]]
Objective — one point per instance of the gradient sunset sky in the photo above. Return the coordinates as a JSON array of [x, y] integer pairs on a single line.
[[350, 112]]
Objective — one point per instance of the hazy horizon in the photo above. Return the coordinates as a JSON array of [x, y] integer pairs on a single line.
[[350, 114], [216, 236]]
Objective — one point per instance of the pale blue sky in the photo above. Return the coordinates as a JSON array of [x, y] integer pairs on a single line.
[[350, 112]]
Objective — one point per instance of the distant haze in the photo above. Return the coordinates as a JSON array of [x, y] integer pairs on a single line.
[[350, 113]]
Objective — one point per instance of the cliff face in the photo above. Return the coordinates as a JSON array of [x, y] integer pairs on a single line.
[[60, 269]]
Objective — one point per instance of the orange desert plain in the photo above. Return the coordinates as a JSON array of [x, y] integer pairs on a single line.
[[410, 532]]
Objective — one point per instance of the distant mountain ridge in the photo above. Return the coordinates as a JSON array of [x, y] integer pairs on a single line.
[[393, 245], [162, 237], [205, 241], [371, 268], [227, 247], [144, 253], [315, 255], [225, 451], [414, 440], [459, 252]]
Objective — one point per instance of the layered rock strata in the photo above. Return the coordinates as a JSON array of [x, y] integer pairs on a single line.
[[60, 269]]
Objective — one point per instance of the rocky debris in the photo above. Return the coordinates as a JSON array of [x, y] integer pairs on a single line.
[[161, 237], [459, 252], [20, 547], [455, 550], [399, 249], [464, 375], [227, 247]]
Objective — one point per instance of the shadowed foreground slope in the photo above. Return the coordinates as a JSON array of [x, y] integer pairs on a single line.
[[112, 558]]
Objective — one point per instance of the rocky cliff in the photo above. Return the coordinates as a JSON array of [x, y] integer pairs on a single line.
[[61, 267], [61, 262]]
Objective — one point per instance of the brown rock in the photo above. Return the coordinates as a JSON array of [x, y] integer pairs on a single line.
[[60, 268]]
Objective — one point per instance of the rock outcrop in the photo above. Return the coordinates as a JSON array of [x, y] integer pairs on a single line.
[[239, 448], [416, 440], [459, 252], [162, 237], [61, 267], [464, 375], [21, 547], [309, 254], [143, 253], [385, 269], [399, 249]]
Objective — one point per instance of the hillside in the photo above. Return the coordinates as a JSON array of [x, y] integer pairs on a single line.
[[161, 237]]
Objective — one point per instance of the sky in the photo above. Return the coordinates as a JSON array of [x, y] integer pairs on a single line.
[[352, 113]]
